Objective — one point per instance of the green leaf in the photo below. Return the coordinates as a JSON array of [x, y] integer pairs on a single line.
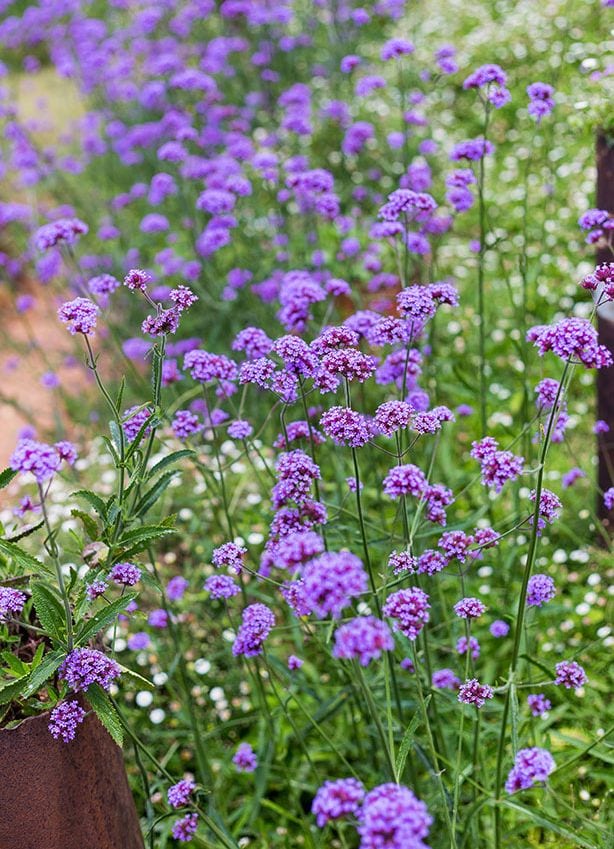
[[21, 557], [139, 538], [103, 618], [169, 460], [152, 495], [91, 528], [26, 531], [141, 680], [545, 822], [49, 610], [44, 671], [106, 713], [6, 477], [12, 690], [93, 500], [407, 740]]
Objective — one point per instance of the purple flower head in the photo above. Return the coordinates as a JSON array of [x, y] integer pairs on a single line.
[[11, 603], [364, 638], [572, 339], [541, 100], [96, 589], [493, 79], [80, 315], [296, 472], [137, 279], [133, 420], [84, 667], [570, 674], [405, 480], [538, 704], [138, 641], [469, 608], [183, 297], [497, 467], [331, 581], [345, 427], [163, 322], [176, 588], [240, 429], [395, 48], [337, 799], [540, 590], [39, 459], [474, 693], [253, 341], [64, 231], [455, 545], [229, 555], [393, 817], [102, 286], [402, 561], [257, 622], [392, 416], [186, 424], [472, 150], [601, 281], [64, 719], [180, 794], [185, 828], [409, 608], [430, 562], [499, 628], [221, 586], [294, 662], [158, 618], [204, 366], [608, 498], [474, 646], [445, 679], [245, 758], [530, 766], [297, 547], [549, 507], [125, 574]]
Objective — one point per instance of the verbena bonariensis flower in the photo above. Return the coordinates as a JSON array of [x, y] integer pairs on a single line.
[[601, 280], [64, 720], [297, 547], [469, 608], [245, 758], [294, 662], [570, 674], [345, 427], [404, 203], [221, 586], [474, 693], [205, 367], [538, 704], [39, 459], [608, 498], [240, 429], [392, 416], [230, 555], [296, 473], [402, 561], [499, 628], [472, 150], [493, 79], [419, 303], [133, 420], [11, 603], [125, 574], [541, 100], [409, 608], [185, 828], [549, 507], [180, 794], [497, 467], [96, 589], [186, 424], [455, 545], [63, 231], [540, 590], [445, 679], [162, 322], [473, 643], [430, 562], [363, 638], [572, 339], [256, 624], [253, 341], [84, 667], [137, 279], [392, 816], [176, 587], [80, 315], [405, 480], [331, 581], [530, 766], [337, 799]]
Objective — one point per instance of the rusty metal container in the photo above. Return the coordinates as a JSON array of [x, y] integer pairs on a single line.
[[56, 795]]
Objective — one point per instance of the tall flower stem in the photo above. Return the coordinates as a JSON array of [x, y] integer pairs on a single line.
[[481, 294], [55, 556]]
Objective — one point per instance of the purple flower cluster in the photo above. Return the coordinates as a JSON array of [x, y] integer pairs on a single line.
[[65, 719], [469, 608], [497, 466], [331, 581], [337, 799], [185, 828], [80, 315], [493, 79], [125, 574], [346, 427], [180, 794], [11, 603], [409, 609], [573, 339], [83, 667], [256, 624], [392, 816], [41, 460], [363, 638], [541, 100], [229, 555], [245, 758], [474, 693], [64, 231], [570, 674], [541, 589], [538, 704], [221, 586], [530, 766]]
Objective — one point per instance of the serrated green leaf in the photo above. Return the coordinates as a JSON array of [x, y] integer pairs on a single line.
[[25, 532], [132, 674], [139, 538], [93, 500], [408, 738], [169, 460], [44, 671], [91, 528], [103, 618], [6, 477], [21, 557], [106, 713], [13, 689], [49, 610], [152, 495]]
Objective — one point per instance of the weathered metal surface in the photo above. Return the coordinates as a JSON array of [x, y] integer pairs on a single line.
[[56, 795], [605, 327]]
